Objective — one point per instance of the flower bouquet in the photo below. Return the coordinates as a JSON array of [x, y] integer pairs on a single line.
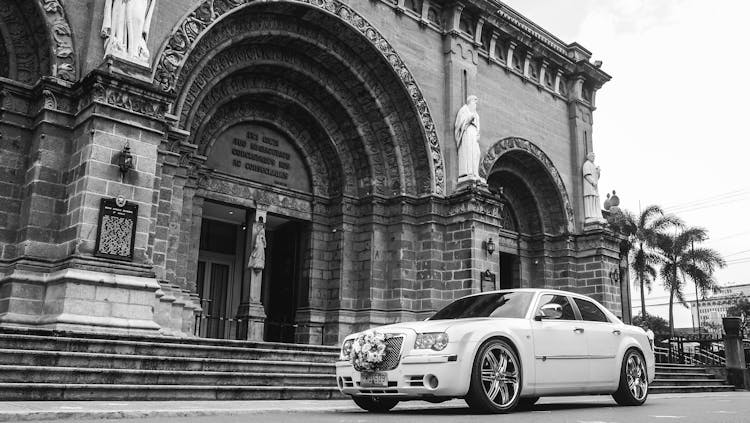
[[368, 350]]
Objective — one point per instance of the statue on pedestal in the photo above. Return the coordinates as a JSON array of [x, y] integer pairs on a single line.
[[125, 27], [257, 259], [591, 209], [466, 132]]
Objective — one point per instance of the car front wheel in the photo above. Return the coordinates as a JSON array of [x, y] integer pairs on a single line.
[[495, 378], [633, 388], [375, 404]]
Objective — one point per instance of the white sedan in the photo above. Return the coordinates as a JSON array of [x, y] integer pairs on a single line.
[[499, 350]]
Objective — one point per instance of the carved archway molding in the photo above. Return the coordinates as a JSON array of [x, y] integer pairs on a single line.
[[506, 145], [207, 13], [64, 61]]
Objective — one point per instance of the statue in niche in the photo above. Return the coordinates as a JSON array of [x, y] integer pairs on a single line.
[[591, 208], [257, 259], [125, 27], [466, 132]]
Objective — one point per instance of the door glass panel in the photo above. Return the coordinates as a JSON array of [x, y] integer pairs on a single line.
[[589, 311], [567, 308], [217, 308]]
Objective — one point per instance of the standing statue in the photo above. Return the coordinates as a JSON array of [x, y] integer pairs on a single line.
[[125, 27], [466, 132], [591, 209], [257, 259]]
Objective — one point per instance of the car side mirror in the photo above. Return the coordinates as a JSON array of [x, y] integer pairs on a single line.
[[550, 311]]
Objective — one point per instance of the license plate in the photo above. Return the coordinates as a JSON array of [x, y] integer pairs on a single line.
[[374, 379]]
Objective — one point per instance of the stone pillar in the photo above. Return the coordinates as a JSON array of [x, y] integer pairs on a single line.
[[737, 372], [460, 68], [251, 307]]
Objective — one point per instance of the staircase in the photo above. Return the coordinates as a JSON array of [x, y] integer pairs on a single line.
[[50, 365], [674, 378]]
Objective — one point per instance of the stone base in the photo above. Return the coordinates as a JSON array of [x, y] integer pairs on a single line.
[[469, 182], [176, 310], [593, 224], [129, 67], [79, 300], [255, 316]]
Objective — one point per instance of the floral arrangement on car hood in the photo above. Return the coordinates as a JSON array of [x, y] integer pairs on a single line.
[[368, 350]]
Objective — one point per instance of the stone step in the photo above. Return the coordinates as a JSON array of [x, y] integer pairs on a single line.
[[78, 375], [148, 362], [153, 348], [678, 376], [679, 369], [672, 389], [101, 392], [687, 382], [88, 336]]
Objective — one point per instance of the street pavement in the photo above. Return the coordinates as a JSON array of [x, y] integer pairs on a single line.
[[725, 407]]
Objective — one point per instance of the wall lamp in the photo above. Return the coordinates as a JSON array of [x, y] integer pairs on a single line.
[[489, 246], [125, 160]]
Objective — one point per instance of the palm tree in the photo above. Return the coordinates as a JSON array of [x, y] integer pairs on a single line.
[[642, 231], [680, 260]]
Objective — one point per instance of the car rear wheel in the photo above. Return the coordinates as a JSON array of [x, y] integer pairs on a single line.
[[375, 404], [633, 388], [495, 378]]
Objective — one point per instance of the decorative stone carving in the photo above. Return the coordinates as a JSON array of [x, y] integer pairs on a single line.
[[507, 144], [183, 39], [591, 208], [125, 27], [466, 132], [64, 64], [125, 97]]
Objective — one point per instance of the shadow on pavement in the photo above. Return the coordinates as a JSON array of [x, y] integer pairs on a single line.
[[438, 410]]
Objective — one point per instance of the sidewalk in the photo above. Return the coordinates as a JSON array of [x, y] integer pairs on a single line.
[[17, 411]]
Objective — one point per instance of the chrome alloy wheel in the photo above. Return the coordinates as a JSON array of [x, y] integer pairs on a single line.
[[636, 377], [500, 375]]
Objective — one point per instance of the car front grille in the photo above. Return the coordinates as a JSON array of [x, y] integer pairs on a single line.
[[392, 353]]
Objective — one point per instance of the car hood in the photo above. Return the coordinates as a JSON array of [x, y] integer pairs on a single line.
[[429, 325]]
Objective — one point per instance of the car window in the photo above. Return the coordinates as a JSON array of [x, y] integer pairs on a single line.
[[562, 300], [590, 311]]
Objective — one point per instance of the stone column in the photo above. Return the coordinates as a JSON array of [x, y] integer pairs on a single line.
[[251, 308]]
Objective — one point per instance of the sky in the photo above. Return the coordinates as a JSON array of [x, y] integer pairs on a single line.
[[671, 127]]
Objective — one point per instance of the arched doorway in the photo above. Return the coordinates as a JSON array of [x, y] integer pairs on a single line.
[[352, 123], [536, 211]]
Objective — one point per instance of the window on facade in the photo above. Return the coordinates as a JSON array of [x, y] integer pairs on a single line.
[[562, 300], [414, 5], [465, 25], [590, 311]]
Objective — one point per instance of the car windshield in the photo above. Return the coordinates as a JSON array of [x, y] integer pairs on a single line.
[[497, 304]]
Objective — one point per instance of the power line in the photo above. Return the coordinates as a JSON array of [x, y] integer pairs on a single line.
[[707, 204], [734, 254], [705, 199]]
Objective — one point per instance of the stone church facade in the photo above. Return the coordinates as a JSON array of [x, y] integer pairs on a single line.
[[287, 170]]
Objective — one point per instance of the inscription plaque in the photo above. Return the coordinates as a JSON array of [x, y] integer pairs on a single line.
[[115, 237], [259, 154]]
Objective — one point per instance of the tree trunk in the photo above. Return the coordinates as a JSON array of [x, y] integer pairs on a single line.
[[643, 296], [671, 320]]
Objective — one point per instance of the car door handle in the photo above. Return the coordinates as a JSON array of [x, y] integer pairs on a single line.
[[616, 332], [578, 330]]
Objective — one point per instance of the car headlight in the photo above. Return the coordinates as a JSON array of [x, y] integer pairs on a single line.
[[431, 341], [346, 350]]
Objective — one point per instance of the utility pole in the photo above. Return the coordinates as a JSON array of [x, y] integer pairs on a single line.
[[697, 304]]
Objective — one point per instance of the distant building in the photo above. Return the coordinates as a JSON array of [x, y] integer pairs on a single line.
[[714, 307]]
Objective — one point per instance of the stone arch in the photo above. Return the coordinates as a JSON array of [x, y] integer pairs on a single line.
[[537, 188], [401, 114], [36, 40]]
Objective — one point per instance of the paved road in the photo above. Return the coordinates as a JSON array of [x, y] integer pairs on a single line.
[[699, 408]]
